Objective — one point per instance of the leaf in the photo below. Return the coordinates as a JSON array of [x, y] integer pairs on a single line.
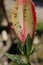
[[28, 44], [32, 51], [26, 64], [21, 46], [20, 64], [14, 58], [39, 27], [13, 63], [19, 49]]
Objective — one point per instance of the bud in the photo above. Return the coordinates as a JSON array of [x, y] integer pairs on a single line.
[[24, 19]]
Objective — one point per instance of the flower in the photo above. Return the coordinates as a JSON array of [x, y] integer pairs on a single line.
[[24, 19]]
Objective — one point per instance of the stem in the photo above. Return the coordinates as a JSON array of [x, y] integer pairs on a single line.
[[28, 60]]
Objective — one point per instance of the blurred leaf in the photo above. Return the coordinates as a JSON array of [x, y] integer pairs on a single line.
[[28, 44], [19, 49], [26, 64], [14, 58], [19, 64], [21, 46], [32, 51], [39, 27]]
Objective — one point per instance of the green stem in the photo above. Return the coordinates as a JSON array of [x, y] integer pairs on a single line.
[[28, 60]]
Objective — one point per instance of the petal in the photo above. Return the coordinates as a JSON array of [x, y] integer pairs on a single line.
[[34, 16], [28, 19], [18, 21]]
